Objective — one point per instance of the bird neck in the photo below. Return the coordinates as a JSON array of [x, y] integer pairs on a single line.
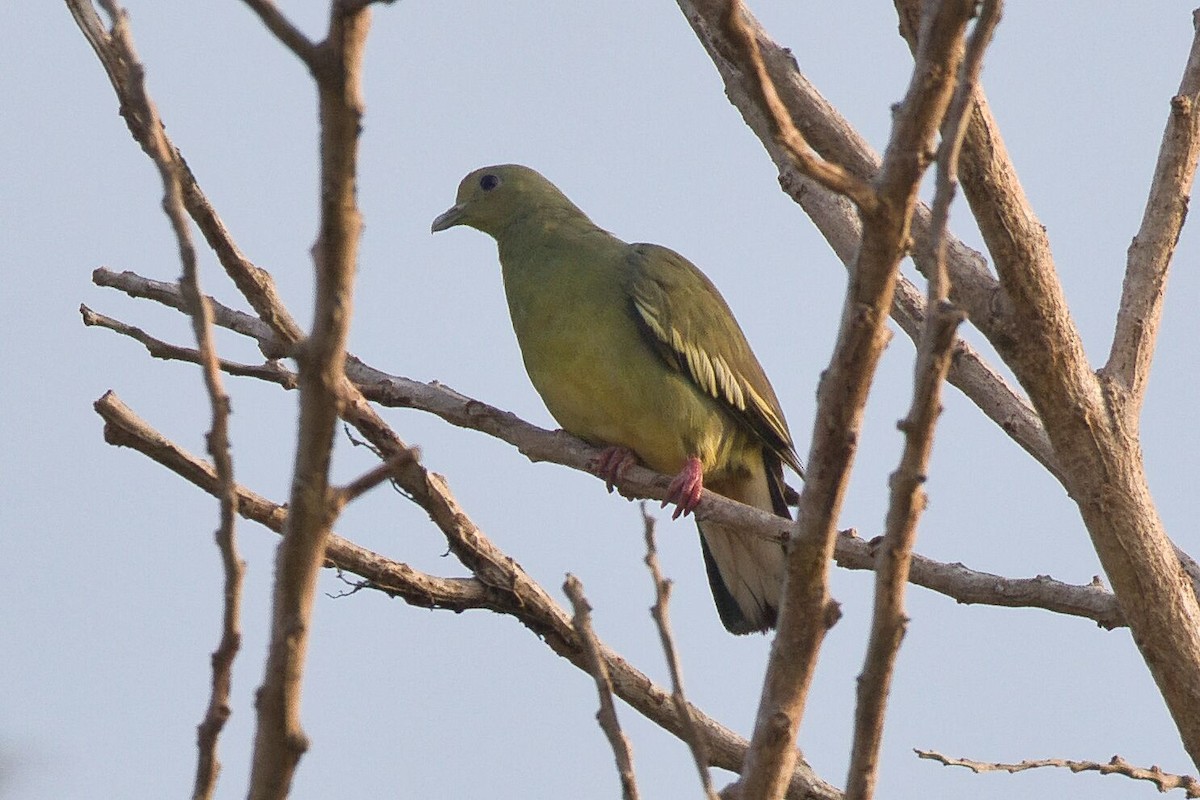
[[544, 223]]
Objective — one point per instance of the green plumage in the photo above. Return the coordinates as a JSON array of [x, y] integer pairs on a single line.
[[631, 346]]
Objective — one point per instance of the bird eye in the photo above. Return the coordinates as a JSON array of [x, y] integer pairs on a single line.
[[488, 182]]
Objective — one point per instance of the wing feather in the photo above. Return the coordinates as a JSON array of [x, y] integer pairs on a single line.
[[693, 328]]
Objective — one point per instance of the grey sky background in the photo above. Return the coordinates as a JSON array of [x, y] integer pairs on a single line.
[[112, 581]]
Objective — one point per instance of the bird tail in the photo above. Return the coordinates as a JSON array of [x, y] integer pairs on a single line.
[[746, 573]]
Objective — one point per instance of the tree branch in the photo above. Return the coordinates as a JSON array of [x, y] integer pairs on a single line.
[[280, 741], [282, 332], [116, 48], [1165, 781], [288, 34], [908, 500], [373, 477], [499, 585], [807, 610], [1149, 257], [271, 371], [803, 158], [607, 715], [964, 585], [1092, 425], [123, 428], [953, 580], [835, 139], [255, 284], [662, 621]]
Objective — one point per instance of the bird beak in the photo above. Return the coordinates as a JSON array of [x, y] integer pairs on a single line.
[[451, 217]]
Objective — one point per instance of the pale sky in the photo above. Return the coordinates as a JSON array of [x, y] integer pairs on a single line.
[[112, 579]]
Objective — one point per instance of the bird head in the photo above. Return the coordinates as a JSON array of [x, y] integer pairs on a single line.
[[490, 198]]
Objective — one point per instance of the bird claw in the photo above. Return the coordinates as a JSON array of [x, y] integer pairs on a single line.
[[686, 488], [612, 463]]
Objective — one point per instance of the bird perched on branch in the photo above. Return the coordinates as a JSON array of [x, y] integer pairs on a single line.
[[633, 349]]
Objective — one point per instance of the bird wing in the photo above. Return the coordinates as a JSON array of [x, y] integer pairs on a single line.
[[690, 325]]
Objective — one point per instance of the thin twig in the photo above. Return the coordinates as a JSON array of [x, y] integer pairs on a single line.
[[375, 476], [908, 500], [964, 585], [1165, 781], [662, 620], [283, 29], [271, 371], [271, 342], [607, 715]]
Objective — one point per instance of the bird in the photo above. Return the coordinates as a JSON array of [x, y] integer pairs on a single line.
[[634, 350]]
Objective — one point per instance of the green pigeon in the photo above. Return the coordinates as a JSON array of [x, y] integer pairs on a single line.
[[633, 349]]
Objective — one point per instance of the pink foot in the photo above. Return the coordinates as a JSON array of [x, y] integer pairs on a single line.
[[685, 490], [612, 463]]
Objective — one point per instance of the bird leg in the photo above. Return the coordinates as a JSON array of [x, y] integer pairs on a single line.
[[685, 490], [612, 463]]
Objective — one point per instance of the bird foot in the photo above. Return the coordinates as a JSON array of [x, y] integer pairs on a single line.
[[612, 463], [685, 490]]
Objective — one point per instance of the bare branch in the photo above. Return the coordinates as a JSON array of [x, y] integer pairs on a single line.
[[953, 580], [1093, 428], [908, 499], [283, 29], [117, 46], [500, 585], [255, 284], [1091, 601], [1091, 420], [280, 740], [749, 59], [123, 428], [271, 371], [259, 289], [271, 342], [835, 139], [1165, 781], [1150, 254], [953, 133], [807, 610], [662, 620], [607, 715], [978, 381], [282, 332], [375, 476]]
